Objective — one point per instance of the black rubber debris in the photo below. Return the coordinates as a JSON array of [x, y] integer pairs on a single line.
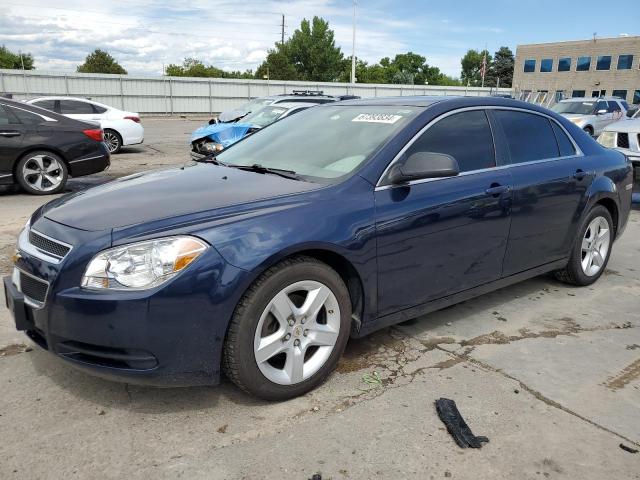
[[628, 449], [457, 427]]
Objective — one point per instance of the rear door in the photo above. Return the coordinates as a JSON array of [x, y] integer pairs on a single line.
[[441, 236], [78, 110], [550, 178], [12, 135]]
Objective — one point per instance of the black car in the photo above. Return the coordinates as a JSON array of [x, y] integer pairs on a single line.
[[40, 150]]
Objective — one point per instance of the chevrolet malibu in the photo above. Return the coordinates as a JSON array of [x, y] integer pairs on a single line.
[[346, 218]]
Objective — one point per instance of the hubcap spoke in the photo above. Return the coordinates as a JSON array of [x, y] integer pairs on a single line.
[[31, 171], [38, 160], [38, 183], [322, 336], [270, 347], [282, 308], [314, 302], [53, 180], [294, 366]]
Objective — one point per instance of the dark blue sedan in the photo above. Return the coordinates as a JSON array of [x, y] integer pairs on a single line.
[[346, 218]]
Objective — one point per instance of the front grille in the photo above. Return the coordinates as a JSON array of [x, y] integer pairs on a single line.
[[623, 140], [48, 245], [33, 288]]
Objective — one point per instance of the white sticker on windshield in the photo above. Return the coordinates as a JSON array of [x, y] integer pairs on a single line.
[[377, 118]]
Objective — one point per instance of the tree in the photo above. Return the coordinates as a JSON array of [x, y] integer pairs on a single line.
[[8, 59], [192, 67], [277, 65], [100, 61], [502, 68], [472, 65]]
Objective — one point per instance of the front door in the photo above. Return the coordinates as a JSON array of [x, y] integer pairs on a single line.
[[12, 134], [442, 236]]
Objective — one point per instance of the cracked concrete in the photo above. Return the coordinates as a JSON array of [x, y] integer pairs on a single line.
[[549, 373]]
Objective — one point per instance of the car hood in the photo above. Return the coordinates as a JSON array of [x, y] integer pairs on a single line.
[[629, 126], [223, 133], [146, 197], [576, 116]]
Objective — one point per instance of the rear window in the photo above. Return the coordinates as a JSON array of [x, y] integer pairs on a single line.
[[529, 136]]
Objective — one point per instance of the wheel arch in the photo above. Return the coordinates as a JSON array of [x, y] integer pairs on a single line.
[[604, 192]]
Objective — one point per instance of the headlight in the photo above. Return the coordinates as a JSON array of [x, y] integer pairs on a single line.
[[143, 265], [212, 147], [607, 139]]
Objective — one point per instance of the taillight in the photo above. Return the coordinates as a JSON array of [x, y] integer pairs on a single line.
[[132, 118], [95, 134]]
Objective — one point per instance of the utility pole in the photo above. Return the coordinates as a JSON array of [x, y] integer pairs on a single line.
[[353, 47], [282, 36]]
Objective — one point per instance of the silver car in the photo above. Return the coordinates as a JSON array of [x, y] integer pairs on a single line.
[[592, 114], [624, 136]]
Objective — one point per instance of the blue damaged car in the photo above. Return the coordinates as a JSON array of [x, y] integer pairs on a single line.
[[214, 137], [346, 218]]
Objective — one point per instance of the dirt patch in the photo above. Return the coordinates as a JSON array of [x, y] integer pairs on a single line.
[[630, 373], [14, 349], [448, 363], [6, 262], [362, 353], [569, 327]]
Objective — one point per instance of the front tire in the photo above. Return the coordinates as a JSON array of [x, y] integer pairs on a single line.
[[289, 330], [113, 140], [41, 173], [592, 249]]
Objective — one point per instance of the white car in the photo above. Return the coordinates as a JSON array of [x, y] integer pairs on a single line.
[[624, 136], [120, 128], [592, 114]]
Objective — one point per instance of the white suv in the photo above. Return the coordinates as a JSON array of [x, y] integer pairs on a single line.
[[120, 127], [592, 114]]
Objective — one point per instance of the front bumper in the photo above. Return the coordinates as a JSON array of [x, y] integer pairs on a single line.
[[169, 336]]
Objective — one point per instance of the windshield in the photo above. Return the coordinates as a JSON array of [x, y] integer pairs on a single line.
[[322, 143], [264, 116], [582, 108], [254, 104]]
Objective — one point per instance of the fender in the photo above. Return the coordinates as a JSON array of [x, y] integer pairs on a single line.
[[602, 188]]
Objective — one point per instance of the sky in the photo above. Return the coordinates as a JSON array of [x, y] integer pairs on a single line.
[[144, 35]]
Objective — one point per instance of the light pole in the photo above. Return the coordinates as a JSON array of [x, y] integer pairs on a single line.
[[353, 46]]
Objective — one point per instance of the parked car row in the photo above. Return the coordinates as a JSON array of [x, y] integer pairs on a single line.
[[328, 224]]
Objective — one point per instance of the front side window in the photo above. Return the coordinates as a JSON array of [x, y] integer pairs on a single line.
[[529, 136], [622, 94], [583, 64], [604, 62], [530, 65], [625, 62], [323, 143], [546, 65], [613, 107], [73, 107], [466, 136], [564, 64]]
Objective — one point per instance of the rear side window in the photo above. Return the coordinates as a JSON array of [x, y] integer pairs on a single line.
[[46, 104], [564, 144], [529, 136], [466, 136], [4, 117], [72, 107], [26, 118], [98, 108]]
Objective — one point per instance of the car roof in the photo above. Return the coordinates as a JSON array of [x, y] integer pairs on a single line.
[[291, 105], [63, 97], [590, 99]]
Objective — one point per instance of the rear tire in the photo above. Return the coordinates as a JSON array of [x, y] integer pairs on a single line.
[[289, 330], [41, 173], [113, 140], [591, 250]]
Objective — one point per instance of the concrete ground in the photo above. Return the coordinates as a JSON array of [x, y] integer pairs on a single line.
[[550, 373]]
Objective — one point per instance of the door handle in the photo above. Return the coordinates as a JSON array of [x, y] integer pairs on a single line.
[[580, 174], [496, 190], [11, 133]]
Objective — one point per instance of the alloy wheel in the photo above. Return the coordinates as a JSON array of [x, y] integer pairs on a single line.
[[43, 173], [112, 141], [595, 246], [297, 332]]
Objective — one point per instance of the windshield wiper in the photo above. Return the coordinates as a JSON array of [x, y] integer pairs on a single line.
[[261, 169], [211, 158]]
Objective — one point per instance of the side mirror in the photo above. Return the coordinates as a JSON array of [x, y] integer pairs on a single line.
[[423, 165], [601, 112]]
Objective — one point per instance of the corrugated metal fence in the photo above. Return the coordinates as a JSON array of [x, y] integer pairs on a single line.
[[172, 95]]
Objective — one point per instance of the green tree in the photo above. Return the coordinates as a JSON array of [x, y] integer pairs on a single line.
[[502, 68], [277, 65], [192, 67], [8, 59], [313, 52], [100, 61], [472, 65]]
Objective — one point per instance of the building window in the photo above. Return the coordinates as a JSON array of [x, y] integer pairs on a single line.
[[564, 64], [529, 66], [546, 65], [583, 64], [625, 62], [577, 93], [622, 94], [604, 62], [636, 97], [595, 93]]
